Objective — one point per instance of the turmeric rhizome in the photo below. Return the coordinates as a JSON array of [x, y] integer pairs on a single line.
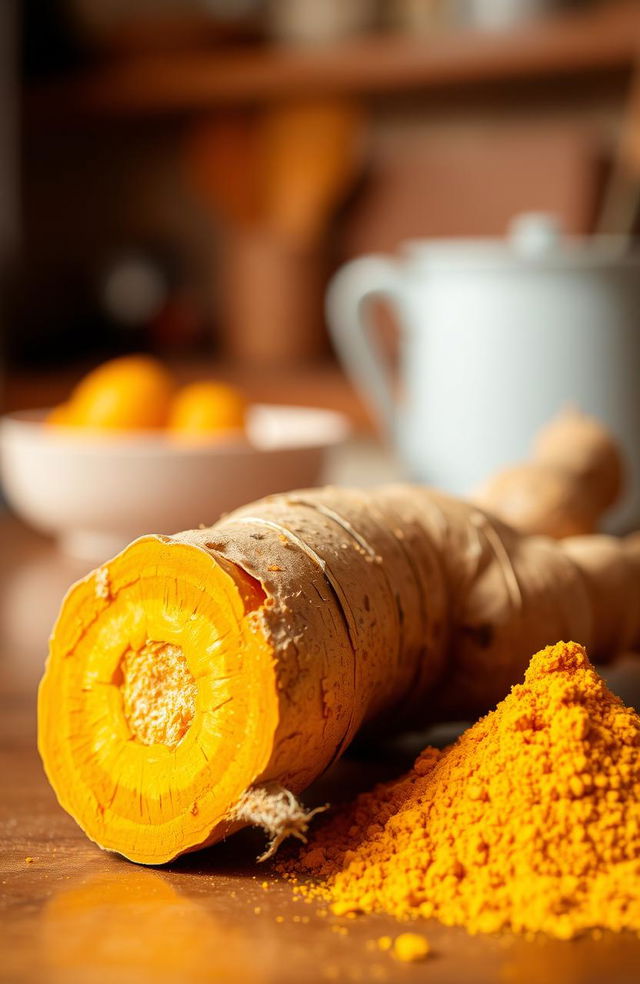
[[198, 682]]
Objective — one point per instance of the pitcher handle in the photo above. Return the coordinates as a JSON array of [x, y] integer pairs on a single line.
[[348, 294]]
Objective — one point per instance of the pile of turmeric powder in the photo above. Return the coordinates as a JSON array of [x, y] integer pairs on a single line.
[[529, 822]]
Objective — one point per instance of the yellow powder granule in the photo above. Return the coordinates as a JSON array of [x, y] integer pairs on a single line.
[[410, 947], [158, 693], [529, 822]]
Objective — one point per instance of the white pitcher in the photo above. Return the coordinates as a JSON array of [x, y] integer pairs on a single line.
[[497, 337]]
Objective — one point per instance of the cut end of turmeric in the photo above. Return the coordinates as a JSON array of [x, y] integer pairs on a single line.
[[157, 710]]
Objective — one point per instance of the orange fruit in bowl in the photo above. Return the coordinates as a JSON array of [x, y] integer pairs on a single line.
[[130, 393], [207, 409], [59, 415]]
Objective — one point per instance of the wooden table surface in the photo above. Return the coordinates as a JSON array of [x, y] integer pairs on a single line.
[[72, 913]]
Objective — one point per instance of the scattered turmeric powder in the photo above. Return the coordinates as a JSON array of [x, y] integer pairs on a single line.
[[410, 947], [529, 822]]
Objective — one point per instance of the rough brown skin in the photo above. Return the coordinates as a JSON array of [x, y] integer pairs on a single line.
[[575, 474], [457, 601], [379, 610]]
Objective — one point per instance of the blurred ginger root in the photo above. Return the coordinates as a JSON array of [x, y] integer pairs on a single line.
[[575, 474]]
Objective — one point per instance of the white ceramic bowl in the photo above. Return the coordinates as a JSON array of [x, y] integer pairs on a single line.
[[96, 492]]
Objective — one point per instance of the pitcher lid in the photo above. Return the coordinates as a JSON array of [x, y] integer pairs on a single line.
[[533, 239]]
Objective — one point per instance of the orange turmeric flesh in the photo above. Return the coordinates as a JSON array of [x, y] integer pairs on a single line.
[[157, 712]]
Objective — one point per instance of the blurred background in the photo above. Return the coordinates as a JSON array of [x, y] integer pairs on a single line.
[[183, 176]]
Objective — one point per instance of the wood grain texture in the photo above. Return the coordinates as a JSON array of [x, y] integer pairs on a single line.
[[71, 914]]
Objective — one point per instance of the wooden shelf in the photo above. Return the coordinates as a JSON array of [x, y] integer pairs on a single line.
[[599, 39]]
